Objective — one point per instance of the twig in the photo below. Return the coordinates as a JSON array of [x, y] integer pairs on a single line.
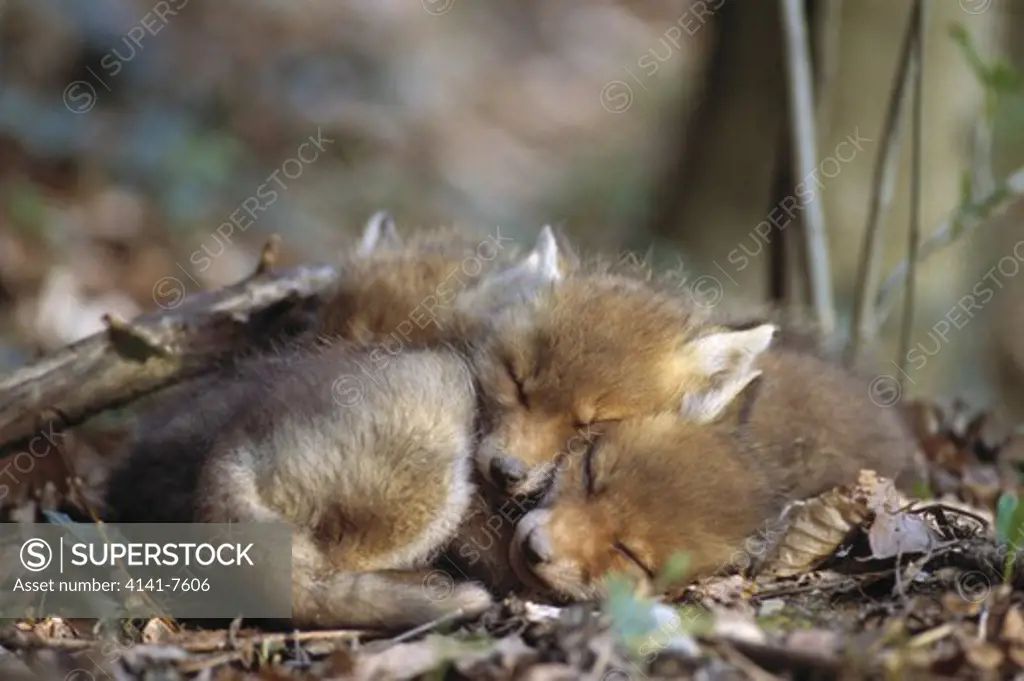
[[827, 33], [25, 641], [268, 256], [914, 241], [805, 153], [991, 206], [132, 342], [737, 659], [130, 359], [960, 222], [791, 663], [428, 626], [982, 181], [782, 285], [882, 186]]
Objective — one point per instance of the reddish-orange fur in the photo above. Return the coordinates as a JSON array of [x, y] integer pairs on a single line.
[[661, 485]]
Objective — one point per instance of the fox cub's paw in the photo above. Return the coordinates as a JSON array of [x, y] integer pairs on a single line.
[[469, 600]]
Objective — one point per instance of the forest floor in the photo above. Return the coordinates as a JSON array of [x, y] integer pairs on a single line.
[[928, 593]]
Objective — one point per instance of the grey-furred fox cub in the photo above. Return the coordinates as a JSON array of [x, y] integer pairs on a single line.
[[703, 477], [374, 484], [404, 290], [370, 461]]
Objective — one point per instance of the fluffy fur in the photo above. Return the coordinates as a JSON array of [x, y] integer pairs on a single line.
[[653, 486]]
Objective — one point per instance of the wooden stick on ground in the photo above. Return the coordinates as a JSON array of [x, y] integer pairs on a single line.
[[131, 359]]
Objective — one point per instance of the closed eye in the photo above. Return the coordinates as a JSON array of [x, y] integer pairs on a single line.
[[520, 390], [632, 557], [589, 484], [599, 424]]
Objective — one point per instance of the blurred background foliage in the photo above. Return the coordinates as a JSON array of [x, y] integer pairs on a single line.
[[132, 130]]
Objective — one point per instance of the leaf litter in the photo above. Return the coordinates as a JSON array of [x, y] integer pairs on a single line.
[[861, 581]]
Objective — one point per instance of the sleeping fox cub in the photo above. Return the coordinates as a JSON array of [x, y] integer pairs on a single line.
[[704, 476], [374, 485], [403, 291]]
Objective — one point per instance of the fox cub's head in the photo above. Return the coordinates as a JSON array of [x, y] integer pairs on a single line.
[[576, 353], [648, 487]]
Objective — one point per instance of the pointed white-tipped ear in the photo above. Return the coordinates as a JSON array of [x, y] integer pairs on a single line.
[[543, 259], [721, 365], [521, 282], [380, 230]]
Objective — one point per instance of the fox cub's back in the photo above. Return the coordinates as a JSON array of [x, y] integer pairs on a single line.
[[403, 291]]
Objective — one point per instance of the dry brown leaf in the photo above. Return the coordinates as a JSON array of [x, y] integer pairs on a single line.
[[816, 529], [562, 672], [156, 630], [897, 534], [1016, 655], [984, 656], [728, 590], [813, 642], [1013, 626], [957, 605], [820, 525], [56, 628]]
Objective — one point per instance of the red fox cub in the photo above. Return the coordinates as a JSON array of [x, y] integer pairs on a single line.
[[585, 351], [576, 354], [706, 476], [404, 290]]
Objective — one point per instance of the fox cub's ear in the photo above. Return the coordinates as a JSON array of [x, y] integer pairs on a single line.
[[544, 260], [719, 366], [524, 281], [379, 232]]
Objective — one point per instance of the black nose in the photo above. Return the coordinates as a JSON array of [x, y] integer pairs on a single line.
[[534, 549], [506, 472]]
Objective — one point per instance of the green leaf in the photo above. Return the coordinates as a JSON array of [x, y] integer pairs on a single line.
[[974, 61], [632, 617], [922, 490], [1005, 508], [1003, 78], [1015, 529], [675, 570], [966, 187]]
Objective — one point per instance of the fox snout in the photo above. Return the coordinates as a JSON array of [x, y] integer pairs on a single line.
[[522, 458], [511, 475], [561, 555], [506, 472], [530, 550]]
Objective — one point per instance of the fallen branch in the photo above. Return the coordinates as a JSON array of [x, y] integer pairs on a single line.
[[130, 359]]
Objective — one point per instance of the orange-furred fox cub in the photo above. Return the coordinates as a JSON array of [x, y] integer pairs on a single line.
[[589, 349], [581, 352], [706, 476]]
